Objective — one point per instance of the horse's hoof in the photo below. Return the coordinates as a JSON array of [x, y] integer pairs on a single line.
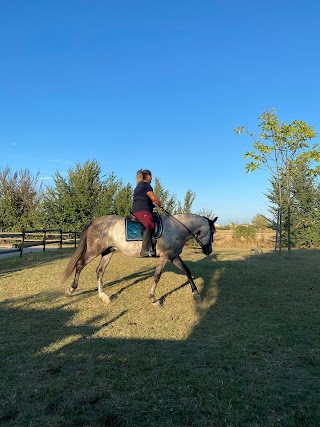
[[156, 303], [197, 296], [153, 299], [69, 292], [105, 299]]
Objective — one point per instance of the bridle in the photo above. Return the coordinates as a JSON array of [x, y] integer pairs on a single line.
[[211, 229]]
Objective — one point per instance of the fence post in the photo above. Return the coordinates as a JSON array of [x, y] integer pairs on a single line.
[[60, 238], [75, 234], [22, 244], [44, 240]]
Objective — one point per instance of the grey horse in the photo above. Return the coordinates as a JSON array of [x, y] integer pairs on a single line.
[[105, 235]]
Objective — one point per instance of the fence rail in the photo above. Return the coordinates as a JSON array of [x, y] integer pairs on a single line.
[[30, 238]]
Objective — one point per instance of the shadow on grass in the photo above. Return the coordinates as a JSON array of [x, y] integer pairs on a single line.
[[31, 260], [252, 360], [132, 279]]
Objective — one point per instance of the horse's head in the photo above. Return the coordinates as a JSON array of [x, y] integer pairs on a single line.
[[207, 239]]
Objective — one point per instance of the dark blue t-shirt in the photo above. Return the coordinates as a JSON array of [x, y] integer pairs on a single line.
[[141, 202]]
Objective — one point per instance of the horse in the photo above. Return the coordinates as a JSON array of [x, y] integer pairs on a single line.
[[107, 234]]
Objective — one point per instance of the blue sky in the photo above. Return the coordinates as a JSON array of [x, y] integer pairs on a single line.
[[158, 85]]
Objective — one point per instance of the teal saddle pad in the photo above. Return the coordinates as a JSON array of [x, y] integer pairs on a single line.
[[134, 227]]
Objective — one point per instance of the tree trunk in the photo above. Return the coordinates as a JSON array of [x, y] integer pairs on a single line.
[[289, 225], [280, 232]]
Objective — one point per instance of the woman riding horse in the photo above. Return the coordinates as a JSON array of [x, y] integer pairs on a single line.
[[142, 208]]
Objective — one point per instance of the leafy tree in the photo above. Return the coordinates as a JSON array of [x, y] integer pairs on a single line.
[[244, 232], [260, 222], [280, 148], [110, 202], [188, 202], [305, 207], [19, 200], [73, 199], [169, 201], [123, 200], [207, 213], [189, 198]]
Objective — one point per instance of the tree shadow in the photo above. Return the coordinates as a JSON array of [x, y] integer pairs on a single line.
[[139, 277], [31, 260], [132, 279], [250, 360]]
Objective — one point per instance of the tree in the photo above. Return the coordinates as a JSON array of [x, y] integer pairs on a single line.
[[244, 232], [305, 207], [280, 148], [123, 200], [19, 199], [260, 222], [73, 199], [208, 213], [169, 201], [187, 203], [115, 199]]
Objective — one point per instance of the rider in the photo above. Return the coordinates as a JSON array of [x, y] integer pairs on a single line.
[[142, 208]]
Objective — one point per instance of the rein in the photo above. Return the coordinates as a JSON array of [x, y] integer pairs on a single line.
[[193, 235]]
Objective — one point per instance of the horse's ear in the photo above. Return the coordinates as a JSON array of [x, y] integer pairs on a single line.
[[215, 219]]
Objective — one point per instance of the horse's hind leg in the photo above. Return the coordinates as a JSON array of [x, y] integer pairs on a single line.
[[81, 263], [79, 267], [105, 259], [181, 265], [156, 277]]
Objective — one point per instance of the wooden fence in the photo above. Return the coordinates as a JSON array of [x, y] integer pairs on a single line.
[[30, 238]]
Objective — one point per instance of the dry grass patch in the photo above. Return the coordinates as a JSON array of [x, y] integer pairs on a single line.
[[248, 355]]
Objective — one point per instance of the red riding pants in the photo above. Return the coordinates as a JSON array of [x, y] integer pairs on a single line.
[[146, 218]]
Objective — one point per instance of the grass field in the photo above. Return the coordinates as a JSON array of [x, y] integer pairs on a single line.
[[247, 355]]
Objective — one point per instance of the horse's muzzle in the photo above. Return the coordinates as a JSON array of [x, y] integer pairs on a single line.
[[207, 249]]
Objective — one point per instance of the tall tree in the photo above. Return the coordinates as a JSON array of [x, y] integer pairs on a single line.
[[260, 222], [19, 199], [168, 200], [305, 207], [280, 147], [207, 213], [123, 200], [73, 199], [188, 201], [110, 188]]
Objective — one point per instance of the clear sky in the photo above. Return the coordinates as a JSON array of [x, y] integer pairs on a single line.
[[158, 85]]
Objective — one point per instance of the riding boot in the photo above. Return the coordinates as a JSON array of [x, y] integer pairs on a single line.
[[152, 250], [145, 244]]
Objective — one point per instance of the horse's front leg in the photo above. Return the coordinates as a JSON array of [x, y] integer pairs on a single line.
[[105, 259], [181, 265], [156, 277]]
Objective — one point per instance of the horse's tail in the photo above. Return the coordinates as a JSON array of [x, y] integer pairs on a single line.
[[78, 253]]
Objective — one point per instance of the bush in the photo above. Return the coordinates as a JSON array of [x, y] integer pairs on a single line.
[[244, 232]]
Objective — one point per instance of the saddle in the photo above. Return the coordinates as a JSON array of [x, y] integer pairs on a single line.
[[134, 228]]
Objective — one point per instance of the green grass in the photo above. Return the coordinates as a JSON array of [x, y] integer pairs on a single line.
[[247, 355]]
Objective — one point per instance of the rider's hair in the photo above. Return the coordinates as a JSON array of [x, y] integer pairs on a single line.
[[141, 174]]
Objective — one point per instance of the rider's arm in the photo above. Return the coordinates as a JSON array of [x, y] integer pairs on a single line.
[[154, 198]]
